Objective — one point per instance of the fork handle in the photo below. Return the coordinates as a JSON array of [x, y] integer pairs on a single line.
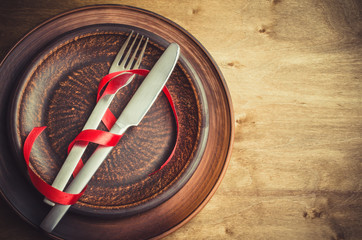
[[77, 151]]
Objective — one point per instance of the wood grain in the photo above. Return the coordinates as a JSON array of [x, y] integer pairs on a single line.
[[294, 72]]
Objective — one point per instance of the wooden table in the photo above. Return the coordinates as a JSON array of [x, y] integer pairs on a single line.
[[294, 71]]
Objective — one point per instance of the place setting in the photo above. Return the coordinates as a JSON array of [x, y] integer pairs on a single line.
[[116, 121]]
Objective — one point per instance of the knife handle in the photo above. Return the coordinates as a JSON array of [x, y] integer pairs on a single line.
[[77, 151], [76, 186], [80, 181]]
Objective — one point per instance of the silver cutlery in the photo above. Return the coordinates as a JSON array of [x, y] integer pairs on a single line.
[[95, 118], [132, 115]]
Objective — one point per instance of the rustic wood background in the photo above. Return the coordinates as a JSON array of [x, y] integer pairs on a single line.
[[294, 71]]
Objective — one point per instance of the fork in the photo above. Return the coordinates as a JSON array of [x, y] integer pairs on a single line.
[[95, 118]]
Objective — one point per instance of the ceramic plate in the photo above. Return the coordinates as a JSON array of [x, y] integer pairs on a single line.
[[52, 74]]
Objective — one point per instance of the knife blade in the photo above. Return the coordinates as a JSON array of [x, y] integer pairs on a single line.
[[132, 115]]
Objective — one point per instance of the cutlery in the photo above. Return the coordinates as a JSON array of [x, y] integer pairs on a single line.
[[95, 118], [132, 115]]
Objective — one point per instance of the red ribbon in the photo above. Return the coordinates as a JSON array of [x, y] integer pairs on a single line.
[[114, 82], [44, 188]]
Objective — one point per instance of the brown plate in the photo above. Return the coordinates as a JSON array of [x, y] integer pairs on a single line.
[[59, 89], [55, 70]]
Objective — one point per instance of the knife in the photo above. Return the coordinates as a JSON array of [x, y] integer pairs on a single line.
[[132, 115]]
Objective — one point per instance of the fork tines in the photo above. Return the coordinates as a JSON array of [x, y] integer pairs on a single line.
[[122, 60]]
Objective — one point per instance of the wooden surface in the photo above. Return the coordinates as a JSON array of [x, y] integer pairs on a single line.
[[294, 71]]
